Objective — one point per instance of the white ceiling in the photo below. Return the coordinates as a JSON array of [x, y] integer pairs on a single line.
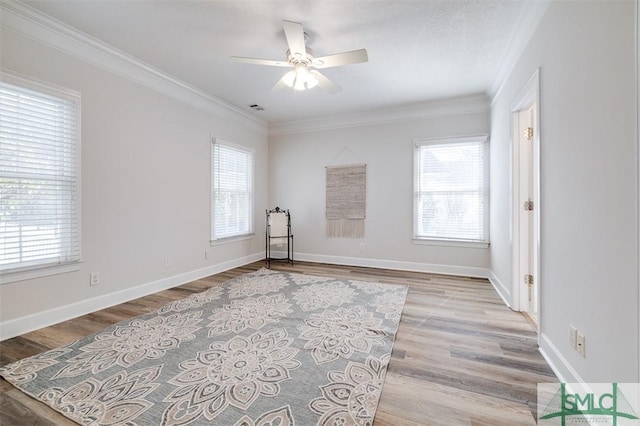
[[419, 50]]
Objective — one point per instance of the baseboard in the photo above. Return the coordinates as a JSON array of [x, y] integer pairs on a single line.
[[558, 363], [8, 329], [464, 271], [501, 289], [18, 326]]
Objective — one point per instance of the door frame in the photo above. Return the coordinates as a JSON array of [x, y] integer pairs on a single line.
[[528, 96]]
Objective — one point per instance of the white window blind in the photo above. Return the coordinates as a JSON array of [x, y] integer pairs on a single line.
[[450, 189], [39, 179], [232, 191]]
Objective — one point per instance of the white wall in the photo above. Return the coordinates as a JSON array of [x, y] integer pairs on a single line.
[[145, 183], [145, 189], [297, 182], [589, 190]]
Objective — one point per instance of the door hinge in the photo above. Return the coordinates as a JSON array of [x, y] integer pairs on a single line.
[[528, 206], [528, 280], [528, 133]]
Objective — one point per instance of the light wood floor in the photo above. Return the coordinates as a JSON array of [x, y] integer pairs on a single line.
[[461, 357]]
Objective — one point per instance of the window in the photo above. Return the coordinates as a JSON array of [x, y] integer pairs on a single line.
[[450, 190], [232, 191], [39, 176]]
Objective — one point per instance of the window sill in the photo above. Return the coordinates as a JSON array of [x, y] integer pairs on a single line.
[[229, 240], [38, 272], [450, 243]]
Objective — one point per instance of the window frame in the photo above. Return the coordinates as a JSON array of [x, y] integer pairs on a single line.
[[250, 234], [456, 242], [54, 267]]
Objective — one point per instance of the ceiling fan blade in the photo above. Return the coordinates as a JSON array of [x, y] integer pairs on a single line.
[[295, 38], [257, 61], [345, 58], [325, 83]]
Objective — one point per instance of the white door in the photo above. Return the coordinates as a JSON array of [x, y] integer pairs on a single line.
[[525, 186], [527, 203], [527, 258]]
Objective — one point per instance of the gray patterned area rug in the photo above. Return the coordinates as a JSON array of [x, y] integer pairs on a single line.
[[266, 348]]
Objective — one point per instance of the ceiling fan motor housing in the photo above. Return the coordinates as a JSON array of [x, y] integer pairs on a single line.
[[294, 59]]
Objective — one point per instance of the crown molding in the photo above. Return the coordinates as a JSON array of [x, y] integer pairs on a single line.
[[471, 104], [32, 23], [529, 20]]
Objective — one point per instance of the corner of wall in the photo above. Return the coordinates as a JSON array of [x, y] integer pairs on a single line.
[[502, 290]]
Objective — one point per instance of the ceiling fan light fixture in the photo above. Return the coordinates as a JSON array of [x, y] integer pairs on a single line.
[[304, 76], [300, 78], [289, 78]]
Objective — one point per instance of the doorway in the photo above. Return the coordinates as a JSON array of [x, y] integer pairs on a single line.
[[526, 201]]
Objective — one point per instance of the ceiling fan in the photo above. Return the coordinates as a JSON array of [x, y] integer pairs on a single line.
[[300, 58]]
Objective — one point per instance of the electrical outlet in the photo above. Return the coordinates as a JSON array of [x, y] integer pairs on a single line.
[[580, 344], [94, 278], [361, 246], [207, 253], [167, 262], [572, 336]]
